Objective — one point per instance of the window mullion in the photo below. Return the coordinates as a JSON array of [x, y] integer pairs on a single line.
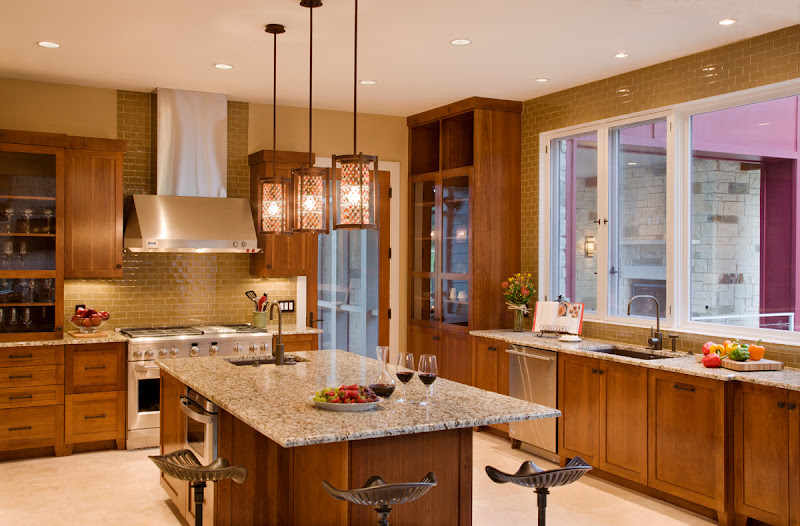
[[602, 228]]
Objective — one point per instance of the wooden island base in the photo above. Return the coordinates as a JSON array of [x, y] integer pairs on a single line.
[[284, 484]]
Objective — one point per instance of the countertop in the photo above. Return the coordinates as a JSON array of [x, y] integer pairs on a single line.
[[276, 401], [674, 362], [108, 337]]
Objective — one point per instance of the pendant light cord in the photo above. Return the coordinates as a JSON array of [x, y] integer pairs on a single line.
[[274, 98], [310, 76], [355, 79]]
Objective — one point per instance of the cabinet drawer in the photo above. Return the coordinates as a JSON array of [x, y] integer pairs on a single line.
[[94, 368], [30, 427], [94, 416], [31, 396], [31, 376], [39, 355]]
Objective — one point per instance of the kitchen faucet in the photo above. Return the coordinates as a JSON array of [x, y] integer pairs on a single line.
[[278, 351], [655, 341]]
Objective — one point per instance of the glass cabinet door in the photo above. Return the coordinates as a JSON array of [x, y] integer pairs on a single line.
[[455, 236], [423, 249], [28, 244]]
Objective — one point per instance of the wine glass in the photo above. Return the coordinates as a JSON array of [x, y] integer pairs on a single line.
[[383, 386], [405, 371], [26, 318], [427, 373]]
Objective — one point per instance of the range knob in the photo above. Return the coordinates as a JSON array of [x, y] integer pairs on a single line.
[[214, 350], [162, 353], [194, 352], [253, 347], [173, 352], [149, 354], [237, 349], [263, 347], [137, 355]]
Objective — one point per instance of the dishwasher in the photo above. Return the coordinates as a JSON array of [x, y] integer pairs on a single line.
[[533, 376]]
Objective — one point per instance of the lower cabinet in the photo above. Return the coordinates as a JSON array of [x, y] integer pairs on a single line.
[[423, 340], [767, 454], [490, 368], [454, 357], [32, 427], [297, 342]]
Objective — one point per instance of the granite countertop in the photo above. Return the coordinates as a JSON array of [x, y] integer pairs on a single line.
[[107, 337], [276, 401], [674, 362]]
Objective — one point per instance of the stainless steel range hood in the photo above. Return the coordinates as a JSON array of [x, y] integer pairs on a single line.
[[191, 212]]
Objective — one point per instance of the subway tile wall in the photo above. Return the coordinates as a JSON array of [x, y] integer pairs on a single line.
[[175, 289], [765, 59]]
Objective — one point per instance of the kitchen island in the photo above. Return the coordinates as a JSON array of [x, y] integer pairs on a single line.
[[269, 424]]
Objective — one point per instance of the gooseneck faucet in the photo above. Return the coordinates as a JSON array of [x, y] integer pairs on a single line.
[[655, 341], [277, 352]]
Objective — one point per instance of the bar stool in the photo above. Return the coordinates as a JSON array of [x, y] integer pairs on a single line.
[[378, 493], [183, 465], [530, 475]]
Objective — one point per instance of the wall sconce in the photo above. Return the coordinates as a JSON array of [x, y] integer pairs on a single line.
[[589, 246]]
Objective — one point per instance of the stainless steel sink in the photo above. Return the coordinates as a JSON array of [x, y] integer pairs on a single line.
[[289, 360], [631, 353]]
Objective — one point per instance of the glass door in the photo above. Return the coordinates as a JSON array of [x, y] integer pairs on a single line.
[[454, 285], [30, 252], [424, 221]]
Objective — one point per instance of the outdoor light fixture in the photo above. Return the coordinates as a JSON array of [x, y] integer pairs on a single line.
[[309, 183], [355, 173], [589, 246]]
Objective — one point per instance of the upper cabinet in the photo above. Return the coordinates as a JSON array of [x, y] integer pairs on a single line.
[[93, 214], [464, 213]]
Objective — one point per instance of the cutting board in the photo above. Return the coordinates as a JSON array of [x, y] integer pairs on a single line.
[[96, 334], [749, 365]]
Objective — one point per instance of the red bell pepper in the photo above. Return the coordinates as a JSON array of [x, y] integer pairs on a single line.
[[712, 361]]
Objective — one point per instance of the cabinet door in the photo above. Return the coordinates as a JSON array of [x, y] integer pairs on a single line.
[[454, 247], [423, 264], [484, 364], [283, 255], [686, 437], [423, 340], [173, 437], [94, 368], [93, 214], [579, 402], [297, 342], [761, 453], [623, 420], [455, 358]]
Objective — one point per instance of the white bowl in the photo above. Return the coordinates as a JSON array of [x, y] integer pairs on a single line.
[[347, 408]]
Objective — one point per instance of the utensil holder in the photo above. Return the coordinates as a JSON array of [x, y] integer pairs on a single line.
[[259, 319]]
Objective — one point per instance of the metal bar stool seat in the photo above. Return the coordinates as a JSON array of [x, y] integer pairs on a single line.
[[183, 465], [530, 475], [378, 493]]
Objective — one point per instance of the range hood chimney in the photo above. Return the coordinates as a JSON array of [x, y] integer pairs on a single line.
[[190, 212]]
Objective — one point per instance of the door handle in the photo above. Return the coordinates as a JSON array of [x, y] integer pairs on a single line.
[[683, 388], [527, 355], [204, 417]]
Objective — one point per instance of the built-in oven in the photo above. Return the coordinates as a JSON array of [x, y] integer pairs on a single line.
[[144, 394], [201, 418]]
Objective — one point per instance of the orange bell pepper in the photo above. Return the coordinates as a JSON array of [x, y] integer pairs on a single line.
[[756, 351], [729, 345]]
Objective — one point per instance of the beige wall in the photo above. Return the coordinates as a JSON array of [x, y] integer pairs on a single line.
[[58, 108], [382, 135]]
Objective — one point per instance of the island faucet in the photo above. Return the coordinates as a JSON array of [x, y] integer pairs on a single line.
[[277, 352], [655, 341]]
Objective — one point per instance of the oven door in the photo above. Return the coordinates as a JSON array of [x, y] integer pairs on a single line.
[[201, 426], [144, 395]]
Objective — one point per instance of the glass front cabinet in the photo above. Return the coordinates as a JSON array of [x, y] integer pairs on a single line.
[[31, 254]]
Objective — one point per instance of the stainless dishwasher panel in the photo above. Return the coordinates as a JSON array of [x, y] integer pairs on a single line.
[[533, 376]]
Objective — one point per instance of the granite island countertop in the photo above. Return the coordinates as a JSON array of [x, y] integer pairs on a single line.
[[107, 337], [276, 401], [681, 363]]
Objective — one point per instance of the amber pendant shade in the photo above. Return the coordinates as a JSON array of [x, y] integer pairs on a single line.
[[355, 191], [275, 207], [310, 188]]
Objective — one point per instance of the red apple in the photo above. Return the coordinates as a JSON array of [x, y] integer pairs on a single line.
[[105, 314], [87, 322], [76, 319], [80, 311], [89, 313]]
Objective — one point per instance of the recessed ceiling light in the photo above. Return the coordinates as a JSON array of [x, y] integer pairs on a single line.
[[51, 45], [461, 42], [223, 66], [621, 54], [727, 21], [763, 124], [632, 164], [368, 82], [542, 79]]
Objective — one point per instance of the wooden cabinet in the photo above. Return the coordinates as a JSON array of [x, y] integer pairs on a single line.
[[454, 357], [766, 454], [464, 206], [423, 340], [687, 450], [93, 213], [485, 363], [297, 342], [282, 254], [173, 438], [32, 427], [94, 382], [579, 402]]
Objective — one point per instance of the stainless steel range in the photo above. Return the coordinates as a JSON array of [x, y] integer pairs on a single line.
[[151, 343]]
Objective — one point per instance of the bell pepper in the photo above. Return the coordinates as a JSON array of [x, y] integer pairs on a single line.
[[729, 345], [707, 347], [739, 354], [756, 351], [712, 361]]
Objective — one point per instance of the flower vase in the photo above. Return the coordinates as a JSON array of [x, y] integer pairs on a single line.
[[518, 320]]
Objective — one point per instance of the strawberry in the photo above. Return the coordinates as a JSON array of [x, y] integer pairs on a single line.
[[360, 401]]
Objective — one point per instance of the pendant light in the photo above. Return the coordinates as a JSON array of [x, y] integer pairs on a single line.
[[275, 190], [310, 184], [355, 185]]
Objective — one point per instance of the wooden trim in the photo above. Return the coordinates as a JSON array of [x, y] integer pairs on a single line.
[[61, 140], [281, 156], [794, 455], [472, 103]]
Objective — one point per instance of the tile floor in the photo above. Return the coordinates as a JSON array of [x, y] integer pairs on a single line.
[[121, 488]]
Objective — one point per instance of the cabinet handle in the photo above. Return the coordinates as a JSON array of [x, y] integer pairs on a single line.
[[21, 397], [791, 407], [19, 376], [683, 388], [94, 416], [87, 368], [20, 356], [781, 405], [21, 428], [600, 372], [594, 371]]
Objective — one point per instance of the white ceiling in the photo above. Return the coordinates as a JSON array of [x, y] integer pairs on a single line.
[[403, 45]]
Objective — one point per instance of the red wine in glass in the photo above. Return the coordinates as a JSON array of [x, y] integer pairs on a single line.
[[427, 379], [405, 371], [427, 372], [382, 390], [405, 376]]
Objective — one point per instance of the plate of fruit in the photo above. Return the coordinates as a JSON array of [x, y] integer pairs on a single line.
[[89, 320], [350, 398]]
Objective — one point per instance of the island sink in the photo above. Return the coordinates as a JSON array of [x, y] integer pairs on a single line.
[[290, 360]]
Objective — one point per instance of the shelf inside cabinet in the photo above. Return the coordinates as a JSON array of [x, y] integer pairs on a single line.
[[424, 145], [457, 140], [15, 234], [28, 197], [27, 304]]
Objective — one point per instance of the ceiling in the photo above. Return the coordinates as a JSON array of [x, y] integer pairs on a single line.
[[403, 45]]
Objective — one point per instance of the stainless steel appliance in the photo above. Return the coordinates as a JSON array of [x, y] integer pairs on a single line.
[[202, 430], [151, 343], [533, 376]]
